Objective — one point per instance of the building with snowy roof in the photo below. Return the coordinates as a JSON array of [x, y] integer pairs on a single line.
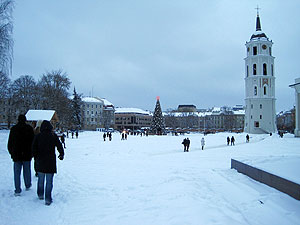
[[132, 118], [211, 120], [97, 113], [33, 116]]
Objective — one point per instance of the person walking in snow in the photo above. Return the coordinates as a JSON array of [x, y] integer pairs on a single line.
[[104, 136], [43, 150], [247, 138], [184, 145], [228, 140], [19, 147], [232, 140], [202, 143], [187, 144], [76, 133], [62, 139]]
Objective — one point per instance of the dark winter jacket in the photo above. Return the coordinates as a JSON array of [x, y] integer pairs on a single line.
[[43, 149], [20, 141]]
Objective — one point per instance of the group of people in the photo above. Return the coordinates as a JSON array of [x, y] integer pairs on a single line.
[[124, 136], [230, 140], [186, 144], [72, 133], [107, 135], [25, 143]]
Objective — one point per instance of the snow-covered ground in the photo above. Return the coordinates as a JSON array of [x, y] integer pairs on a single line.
[[150, 180]]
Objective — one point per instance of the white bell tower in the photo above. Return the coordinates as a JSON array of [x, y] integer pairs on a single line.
[[260, 99]]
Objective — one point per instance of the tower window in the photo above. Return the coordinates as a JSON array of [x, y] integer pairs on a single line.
[[260, 106], [254, 69], [247, 71], [255, 90], [256, 123], [265, 90], [260, 116], [254, 50], [270, 50], [264, 69], [251, 106], [272, 70]]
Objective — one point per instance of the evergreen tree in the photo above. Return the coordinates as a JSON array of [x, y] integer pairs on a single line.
[[76, 109], [158, 123]]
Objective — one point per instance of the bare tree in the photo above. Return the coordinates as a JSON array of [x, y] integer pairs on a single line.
[[54, 94], [6, 41], [24, 92], [4, 84]]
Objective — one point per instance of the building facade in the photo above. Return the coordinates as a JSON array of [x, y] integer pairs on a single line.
[[97, 113], [132, 118], [260, 99]]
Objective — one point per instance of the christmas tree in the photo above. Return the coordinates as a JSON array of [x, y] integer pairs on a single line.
[[158, 123]]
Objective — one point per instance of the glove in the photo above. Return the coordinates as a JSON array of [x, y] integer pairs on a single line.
[[61, 157]]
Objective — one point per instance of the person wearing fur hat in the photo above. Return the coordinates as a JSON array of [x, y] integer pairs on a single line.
[[19, 147]]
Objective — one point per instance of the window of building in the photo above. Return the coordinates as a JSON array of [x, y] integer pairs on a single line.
[[255, 90], [254, 69], [270, 50], [265, 90], [260, 106], [256, 123], [254, 50], [247, 71], [264, 69], [251, 106], [260, 117]]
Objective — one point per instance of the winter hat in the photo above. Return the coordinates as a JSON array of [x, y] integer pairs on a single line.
[[46, 125], [22, 118]]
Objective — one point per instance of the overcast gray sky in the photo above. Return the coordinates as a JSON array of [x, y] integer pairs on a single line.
[[130, 51]]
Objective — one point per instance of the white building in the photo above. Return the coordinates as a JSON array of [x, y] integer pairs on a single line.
[[260, 99], [97, 113]]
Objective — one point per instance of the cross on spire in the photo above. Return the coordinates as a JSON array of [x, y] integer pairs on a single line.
[[257, 9]]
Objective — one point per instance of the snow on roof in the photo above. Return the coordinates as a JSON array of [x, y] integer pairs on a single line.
[[91, 99], [35, 115], [239, 112], [106, 102], [131, 110]]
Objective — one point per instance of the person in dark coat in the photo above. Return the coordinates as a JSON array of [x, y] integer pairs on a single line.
[[247, 138], [104, 136], [228, 140], [43, 150], [232, 140], [184, 145], [188, 144], [19, 148]]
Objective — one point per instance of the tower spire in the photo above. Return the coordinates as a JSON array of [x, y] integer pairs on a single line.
[[258, 26]]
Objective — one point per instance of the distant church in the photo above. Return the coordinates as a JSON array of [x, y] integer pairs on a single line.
[[260, 99]]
